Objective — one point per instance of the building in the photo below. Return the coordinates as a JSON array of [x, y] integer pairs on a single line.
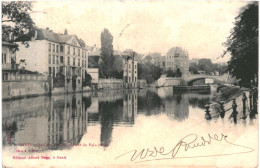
[[178, 58], [160, 61], [130, 68], [54, 55], [9, 65]]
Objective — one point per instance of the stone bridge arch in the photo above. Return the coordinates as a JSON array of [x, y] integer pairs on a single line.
[[189, 80]]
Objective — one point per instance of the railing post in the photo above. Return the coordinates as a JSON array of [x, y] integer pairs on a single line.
[[234, 113], [244, 105], [254, 101], [207, 115], [222, 110], [250, 102]]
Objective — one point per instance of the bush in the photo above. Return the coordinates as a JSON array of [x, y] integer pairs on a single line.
[[228, 91]]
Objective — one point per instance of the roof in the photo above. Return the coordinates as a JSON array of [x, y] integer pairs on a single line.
[[43, 34], [64, 38], [96, 52], [177, 49], [46, 34]]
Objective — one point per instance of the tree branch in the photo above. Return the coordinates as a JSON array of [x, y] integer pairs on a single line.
[[8, 20]]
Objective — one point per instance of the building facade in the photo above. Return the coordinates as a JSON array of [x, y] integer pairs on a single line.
[[130, 73], [8, 64], [54, 55], [178, 58], [160, 61]]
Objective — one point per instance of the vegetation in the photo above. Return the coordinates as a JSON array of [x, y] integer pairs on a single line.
[[207, 66], [87, 80], [227, 91], [171, 73], [17, 24], [59, 80], [149, 72], [242, 44], [106, 67]]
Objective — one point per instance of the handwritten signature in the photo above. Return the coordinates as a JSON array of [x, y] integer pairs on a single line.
[[188, 142]]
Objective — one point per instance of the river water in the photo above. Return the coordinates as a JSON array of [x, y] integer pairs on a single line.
[[92, 129]]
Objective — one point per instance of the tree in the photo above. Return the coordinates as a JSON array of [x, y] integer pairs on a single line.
[[106, 67], [178, 73], [193, 68], [205, 65], [87, 80], [242, 44], [170, 73], [149, 72], [17, 24]]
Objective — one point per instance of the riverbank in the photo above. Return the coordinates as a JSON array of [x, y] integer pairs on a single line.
[[25, 88], [227, 94]]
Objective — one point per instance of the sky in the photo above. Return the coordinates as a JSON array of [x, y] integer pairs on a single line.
[[200, 27]]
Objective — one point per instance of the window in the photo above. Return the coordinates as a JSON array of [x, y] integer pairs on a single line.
[[53, 71], [82, 63], [49, 71], [57, 59], [176, 55], [68, 60], [78, 62], [68, 49], [53, 47], [78, 81], [135, 79], [129, 79], [85, 54], [68, 71], [53, 59], [61, 59], [49, 58], [78, 52], [73, 51], [4, 58], [73, 61], [82, 54], [57, 49], [79, 72], [49, 47], [61, 48], [85, 64]]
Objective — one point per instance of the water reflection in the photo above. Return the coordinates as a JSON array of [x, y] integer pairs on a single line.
[[59, 122]]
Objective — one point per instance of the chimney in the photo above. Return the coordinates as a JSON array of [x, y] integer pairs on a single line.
[[47, 28]]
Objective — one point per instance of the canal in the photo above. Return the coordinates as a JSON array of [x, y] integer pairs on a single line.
[[94, 128]]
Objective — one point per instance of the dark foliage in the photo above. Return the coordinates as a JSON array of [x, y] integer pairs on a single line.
[[242, 44], [17, 14], [149, 72], [106, 67]]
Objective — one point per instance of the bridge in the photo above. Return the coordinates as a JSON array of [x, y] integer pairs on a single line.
[[189, 79]]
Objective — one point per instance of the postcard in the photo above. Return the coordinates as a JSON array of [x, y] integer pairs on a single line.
[[129, 83]]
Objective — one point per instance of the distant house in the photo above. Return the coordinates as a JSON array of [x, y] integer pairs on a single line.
[[9, 65], [130, 68], [177, 58]]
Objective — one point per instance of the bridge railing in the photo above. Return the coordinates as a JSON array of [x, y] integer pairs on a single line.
[[252, 107]]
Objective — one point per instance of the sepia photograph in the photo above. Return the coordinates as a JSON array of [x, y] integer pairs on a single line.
[[129, 83]]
